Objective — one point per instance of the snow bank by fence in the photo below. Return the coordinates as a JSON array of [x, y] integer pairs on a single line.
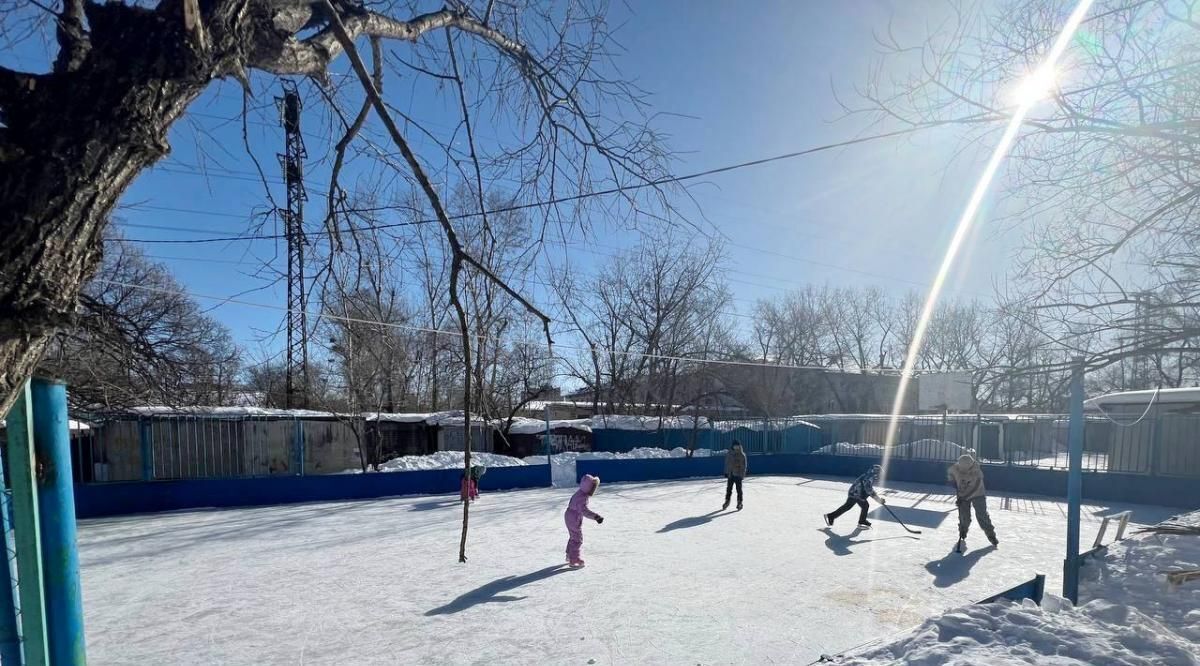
[[1129, 617], [562, 464], [921, 449]]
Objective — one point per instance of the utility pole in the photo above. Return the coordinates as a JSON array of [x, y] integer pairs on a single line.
[[292, 161]]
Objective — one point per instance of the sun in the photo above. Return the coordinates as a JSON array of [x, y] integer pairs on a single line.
[[1035, 87]]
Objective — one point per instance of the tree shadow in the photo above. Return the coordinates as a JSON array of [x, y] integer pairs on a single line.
[[839, 544], [490, 593], [431, 506], [954, 568], [694, 521]]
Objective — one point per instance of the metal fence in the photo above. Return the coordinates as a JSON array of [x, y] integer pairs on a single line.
[[194, 447], [205, 447], [1161, 444]]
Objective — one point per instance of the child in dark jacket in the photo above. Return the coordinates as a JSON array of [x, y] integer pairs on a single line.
[[577, 510], [862, 488], [735, 472]]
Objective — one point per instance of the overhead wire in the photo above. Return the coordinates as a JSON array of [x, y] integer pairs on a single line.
[[456, 334]]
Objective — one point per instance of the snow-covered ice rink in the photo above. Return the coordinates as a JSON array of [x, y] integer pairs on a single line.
[[669, 580]]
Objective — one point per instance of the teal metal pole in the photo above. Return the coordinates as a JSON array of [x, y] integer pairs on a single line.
[[10, 636], [56, 499], [1074, 484], [27, 530], [549, 458], [147, 447], [298, 446]]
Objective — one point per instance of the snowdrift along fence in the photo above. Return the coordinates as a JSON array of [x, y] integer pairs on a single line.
[[1137, 488], [116, 499], [1161, 444], [763, 436]]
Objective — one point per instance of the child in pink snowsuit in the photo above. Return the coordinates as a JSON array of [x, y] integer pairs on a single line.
[[577, 510]]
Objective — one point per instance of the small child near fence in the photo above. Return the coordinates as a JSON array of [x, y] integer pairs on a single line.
[[470, 483], [577, 510]]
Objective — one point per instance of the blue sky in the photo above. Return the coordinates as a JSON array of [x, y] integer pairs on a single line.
[[747, 82]]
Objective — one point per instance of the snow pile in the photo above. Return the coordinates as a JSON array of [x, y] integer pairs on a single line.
[[524, 426], [1129, 616], [624, 422], [562, 465], [398, 418], [446, 460], [230, 412], [1007, 633], [758, 425], [926, 449], [1131, 571]]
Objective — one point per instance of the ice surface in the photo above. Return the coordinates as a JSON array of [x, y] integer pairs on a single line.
[[668, 580]]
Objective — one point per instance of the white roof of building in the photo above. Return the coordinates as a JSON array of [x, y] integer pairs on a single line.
[[1168, 396]]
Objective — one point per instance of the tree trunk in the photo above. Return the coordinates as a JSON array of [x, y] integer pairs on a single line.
[[73, 142]]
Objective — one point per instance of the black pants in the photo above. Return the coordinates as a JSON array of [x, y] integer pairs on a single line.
[[730, 483], [850, 502]]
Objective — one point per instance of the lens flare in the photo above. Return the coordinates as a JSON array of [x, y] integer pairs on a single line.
[[1035, 86], [1042, 79]]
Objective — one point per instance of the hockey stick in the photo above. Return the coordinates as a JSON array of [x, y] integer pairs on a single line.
[[906, 527]]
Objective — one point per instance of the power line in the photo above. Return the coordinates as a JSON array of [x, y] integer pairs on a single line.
[[657, 182], [434, 331]]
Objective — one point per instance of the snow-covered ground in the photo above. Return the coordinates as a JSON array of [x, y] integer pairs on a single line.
[[669, 580], [1128, 616]]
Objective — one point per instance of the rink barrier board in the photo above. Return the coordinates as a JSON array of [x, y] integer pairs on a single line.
[[97, 500], [1034, 590], [1179, 492]]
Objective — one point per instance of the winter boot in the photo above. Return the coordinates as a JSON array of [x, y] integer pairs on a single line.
[[961, 546], [828, 520]]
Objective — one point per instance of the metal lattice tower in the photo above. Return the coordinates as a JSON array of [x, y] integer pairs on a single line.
[[292, 161]]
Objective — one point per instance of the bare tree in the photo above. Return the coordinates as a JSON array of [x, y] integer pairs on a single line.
[[1105, 176], [644, 316], [138, 339], [73, 139]]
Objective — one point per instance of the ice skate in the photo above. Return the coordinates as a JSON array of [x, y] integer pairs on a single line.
[[828, 520], [864, 524], [739, 506], [725, 505], [961, 546], [993, 540], [575, 564]]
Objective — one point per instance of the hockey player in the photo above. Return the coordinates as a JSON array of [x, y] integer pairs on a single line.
[[862, 488], [735, 472], [967, 478]]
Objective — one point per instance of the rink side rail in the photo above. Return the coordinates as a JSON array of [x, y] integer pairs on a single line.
[[96, 500], [1180, 492]]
